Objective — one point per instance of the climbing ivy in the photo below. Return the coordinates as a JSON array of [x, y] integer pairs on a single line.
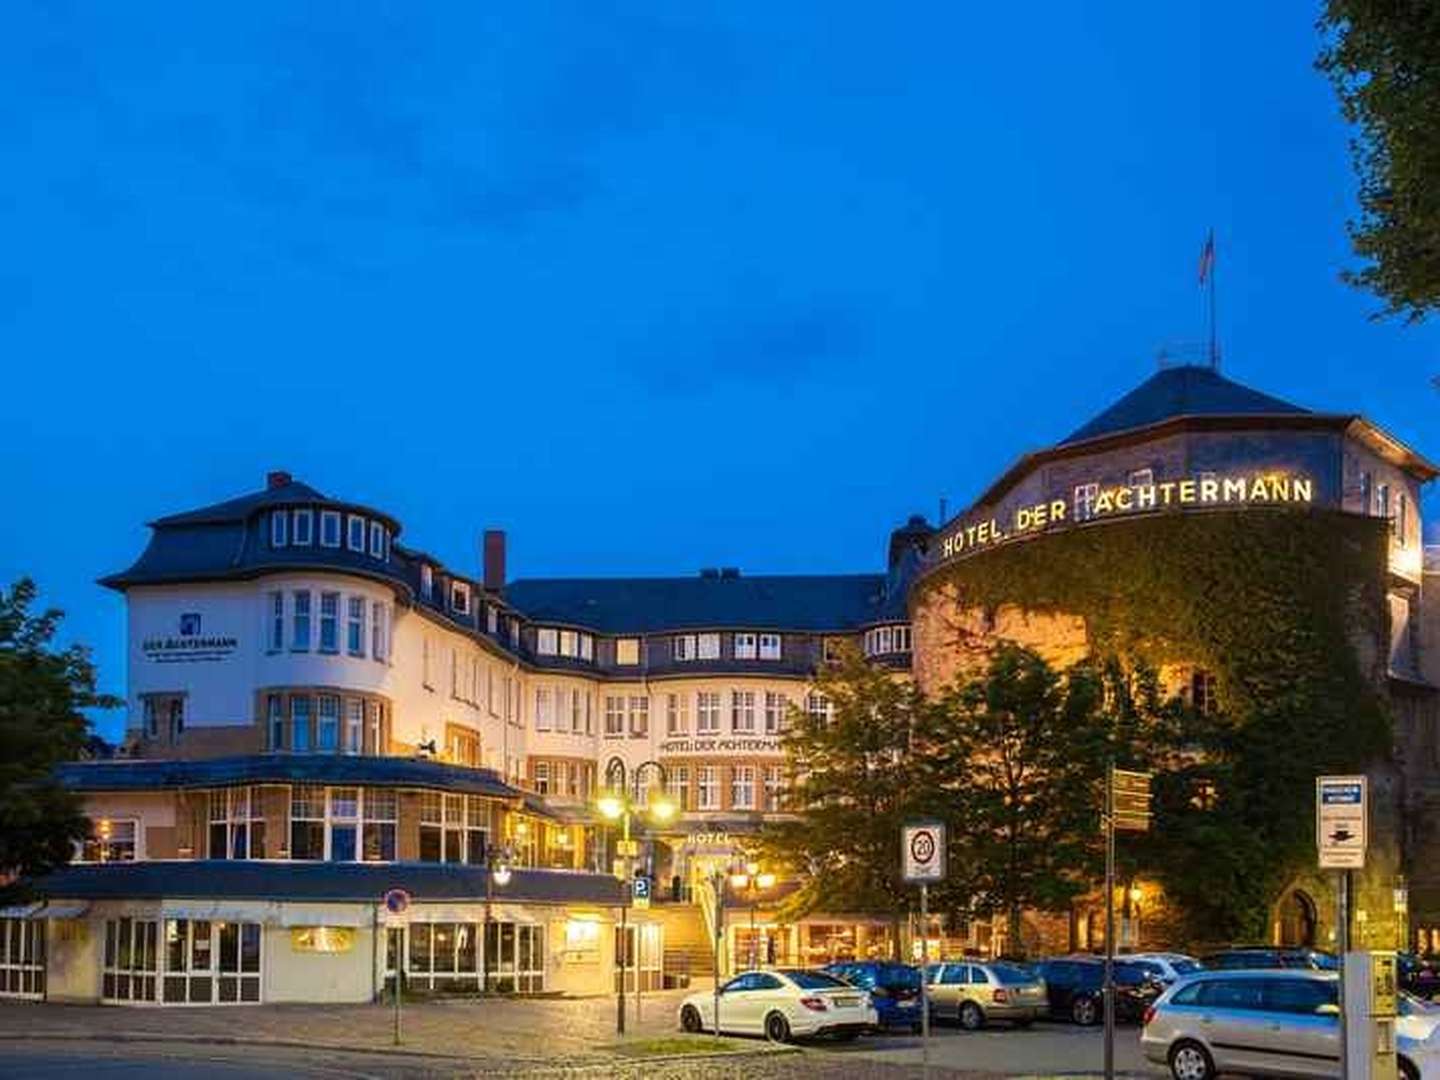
[[1280, 607]]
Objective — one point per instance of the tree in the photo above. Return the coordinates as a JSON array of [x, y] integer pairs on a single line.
[[853, 781], [1383, 59], [42, 691], [1020, 756]]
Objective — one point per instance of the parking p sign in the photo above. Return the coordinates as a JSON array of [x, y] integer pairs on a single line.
[[922, 852]]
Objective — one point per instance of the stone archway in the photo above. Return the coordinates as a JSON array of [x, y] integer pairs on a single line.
[[1298, 920]]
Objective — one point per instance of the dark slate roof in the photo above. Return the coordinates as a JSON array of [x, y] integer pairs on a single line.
[[240, 508], [142, 775], [1181, 391], [645, 605], [219, 879]]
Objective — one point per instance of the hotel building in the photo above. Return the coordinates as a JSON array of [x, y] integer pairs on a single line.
[[320, 712]]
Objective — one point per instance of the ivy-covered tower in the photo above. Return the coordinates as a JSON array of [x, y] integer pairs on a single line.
[[1268, 561]]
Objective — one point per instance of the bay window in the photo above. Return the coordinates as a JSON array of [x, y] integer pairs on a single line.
[[237, 827]]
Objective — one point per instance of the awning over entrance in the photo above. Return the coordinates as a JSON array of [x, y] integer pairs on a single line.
[[19, 911], [63, 909], [212, 911]]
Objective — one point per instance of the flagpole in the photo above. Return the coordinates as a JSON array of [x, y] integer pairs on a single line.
[[1214, 347]]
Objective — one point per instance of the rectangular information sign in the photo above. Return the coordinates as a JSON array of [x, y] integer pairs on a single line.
[[1341, 817]]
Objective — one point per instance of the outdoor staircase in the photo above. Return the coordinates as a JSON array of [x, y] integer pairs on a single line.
[[689, 951]]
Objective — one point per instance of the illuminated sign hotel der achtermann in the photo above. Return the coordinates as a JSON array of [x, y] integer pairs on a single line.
[[1207, 490]]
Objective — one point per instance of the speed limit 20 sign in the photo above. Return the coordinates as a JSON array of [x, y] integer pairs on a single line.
[[922, 852]]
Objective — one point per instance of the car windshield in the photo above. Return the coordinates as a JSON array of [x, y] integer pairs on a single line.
[[1185, 967], [898, 977], [814, 980], [1012, 974]]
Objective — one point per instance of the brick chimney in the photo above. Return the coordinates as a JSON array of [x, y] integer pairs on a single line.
[[276, 479], [493, 558]]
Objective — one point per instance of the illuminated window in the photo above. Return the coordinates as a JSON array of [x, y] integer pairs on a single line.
[[460, 597], [682, 646], [677, 786], [111, 840], [427, 581], [303, 522], [547, 641], [237, 827], [627, 651], [1085, 496], [330, 528], [542, 777], [707, 646]]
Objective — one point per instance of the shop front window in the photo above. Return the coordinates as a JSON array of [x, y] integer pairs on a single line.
[[210, 962], [131, 962], [22, 958]]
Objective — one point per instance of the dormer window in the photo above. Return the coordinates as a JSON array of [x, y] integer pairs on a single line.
[[492, 619], [377, 540], [330, 528], [587, 647], [887, 640], [279, 528], [355, 532], [683, 647], [769, 646], [707, 646], [547, 641], [568, 644], [627, 651], [460, 597], [427, 581], [744, 646], [304, 522]]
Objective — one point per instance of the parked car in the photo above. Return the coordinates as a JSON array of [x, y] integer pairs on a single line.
[[1279, 1022], [1257, 957], [894, 989], [781, 1004], [974, 993], [1167, 967], [1074, 989], [1420, 975]]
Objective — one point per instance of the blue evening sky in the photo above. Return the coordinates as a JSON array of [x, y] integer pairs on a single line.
[[654, 288]]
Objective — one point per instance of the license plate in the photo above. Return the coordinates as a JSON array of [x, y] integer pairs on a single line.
[[908, 1004], [847, 1002]]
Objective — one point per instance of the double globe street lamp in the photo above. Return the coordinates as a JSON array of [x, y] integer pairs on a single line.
[[749, 883], [618, 802]]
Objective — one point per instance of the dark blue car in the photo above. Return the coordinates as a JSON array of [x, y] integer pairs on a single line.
[[894, 989]]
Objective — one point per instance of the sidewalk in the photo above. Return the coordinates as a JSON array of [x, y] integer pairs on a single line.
[[515, 1031]]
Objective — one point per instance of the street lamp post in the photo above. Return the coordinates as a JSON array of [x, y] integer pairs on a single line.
[[616, 804], [750, 882], [497, 872]]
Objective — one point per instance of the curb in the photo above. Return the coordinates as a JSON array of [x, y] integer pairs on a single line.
[[395, 1051]]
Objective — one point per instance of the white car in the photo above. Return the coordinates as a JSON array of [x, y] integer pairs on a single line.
[[782, 1003], [1167, 967]]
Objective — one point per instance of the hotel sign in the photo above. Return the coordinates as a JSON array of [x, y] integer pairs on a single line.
[[1208, 489], [189, 645], [760, 745]]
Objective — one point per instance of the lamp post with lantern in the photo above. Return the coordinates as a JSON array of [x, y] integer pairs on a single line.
[[617, 803], [499, 859], [749, 882]]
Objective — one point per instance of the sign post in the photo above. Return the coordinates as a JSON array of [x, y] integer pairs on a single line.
[[922, 860], [1127, 806], [397, 905], [1341, 837]]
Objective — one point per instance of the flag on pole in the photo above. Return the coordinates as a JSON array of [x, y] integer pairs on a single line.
[[1207, 257]]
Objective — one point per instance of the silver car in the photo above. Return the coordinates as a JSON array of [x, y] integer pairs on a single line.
[[976, 992], [1272, 1022]]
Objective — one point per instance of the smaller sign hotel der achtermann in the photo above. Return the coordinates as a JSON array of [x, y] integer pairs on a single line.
[[1207, 490]]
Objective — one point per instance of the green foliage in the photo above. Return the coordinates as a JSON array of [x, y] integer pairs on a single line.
[[42, 691], [1383, 58], [856, 778], [1267, 602]]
